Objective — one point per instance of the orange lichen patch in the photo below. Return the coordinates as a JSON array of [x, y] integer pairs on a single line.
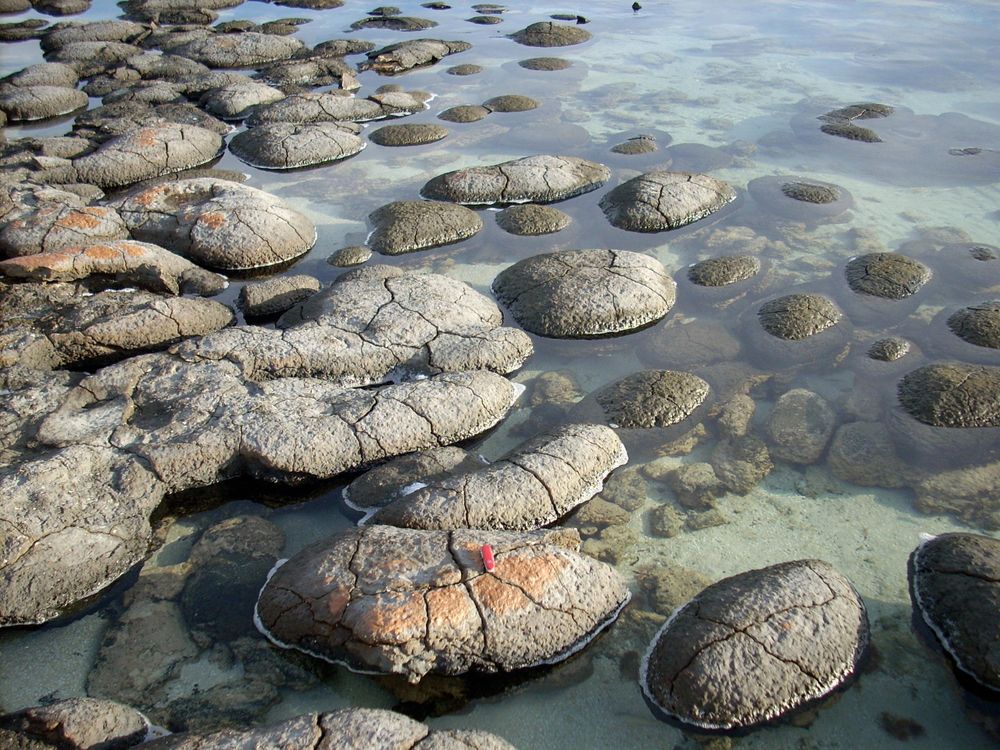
[[84, 219], [387, 618], [147, 137], [535, 575], [499, 597], [43, 260], [147, 197], [331, 608], [133, 251], [450, 609], [212, 219], [101, 252]]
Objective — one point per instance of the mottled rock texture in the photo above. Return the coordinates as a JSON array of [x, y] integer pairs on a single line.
[[952, 394], [406, 226], [661, 200], [400, 57], [78, 724], [282, 145]]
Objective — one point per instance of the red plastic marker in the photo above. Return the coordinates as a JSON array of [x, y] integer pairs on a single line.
[[488, 558]]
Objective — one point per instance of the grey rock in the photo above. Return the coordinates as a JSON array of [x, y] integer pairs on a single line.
[[800, 199], [850, 131], [641, 144], [689, 344], [978, 324], [39, 102], [343, 47], [578, 293], [239, 50], [403, 56], [533, 179], [148, 92], [695, 485], [532, 487], [408, 135], [840, 122], [754, 647], [800, 426], [148, 152], [955, 587], [80, 724], [353, 255], [886, 275], [139, 263], [234, 102], [61, 7], [952, 395], [127, 118], [45, 74], [467, 69], [55, 226], [652, 398], [395, 23], [724, 270], [22, 31], [430, 610], [407, 226], [275, 296], [548, 34], [218, 223], [94, 31], [741, 463], [296, 74], [282, 145], [545, 63], [336, 107], [968, 493], [798, 316], [661, 200], [464, 113], [529, 220], [889, 349], [510, 103], [91, 58], [485, 20], [863, 453], [352, 332]]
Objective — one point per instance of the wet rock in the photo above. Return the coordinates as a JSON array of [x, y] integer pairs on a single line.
[[863, 111], [467, 69], [850, 131], [464, 113], [840, 122], [353, 255], [388, 482], [510, 103], [545, 63], [22, 31], [579, 293], [246, 50], [275, 296], [408, 135], [798, 316], [548, 34], [218, 223], [886, 275], [530, 488], [485, 20], [968, 493], [14, 6], [889, 349], [234, 102], [800, 426], [148, 152], [58, 227], [39, 102], [689, 344], [61, 7], [724, 270], [148, 92], [863, 453], [94, 31], [407, 226], [395, 23], [741, 463], [800, 199], [91, 58], [537, 179], [641, 144], [44, 74], [138, 263], [952, 395], [599, 514], [79, 724], [695, 485], [652, 398], [299, 74], [369, 327], [430, 610], [978, 324], [282, 145], [528, 219], [331, 106], [661, 200], [397, 58], [725, 660], [376, 729], [126, 118], [734, 416], [955, 587]]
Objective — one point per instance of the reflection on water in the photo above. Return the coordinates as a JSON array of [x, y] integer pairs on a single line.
[[735, 90]]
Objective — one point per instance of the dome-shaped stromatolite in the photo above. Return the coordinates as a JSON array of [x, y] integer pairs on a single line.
[[640, 144], [955, 586], [408, 135], [756, 646], [724, 270], [533, 179], [396, 23], [952, 394], [351, 255], [464, 113], [23, 103], [282, 145], [660, 200], [652, 398], [411, 54], [218, 223], [328, 106], [545, 63], [528, 219], [54, 226], [421, 601], [468, 69], [406, 226], [244, 50], [889, 349], [532, 487], [886, 275], [148, 152], [578, 293], [510, 103], [548, 34], [800, 199], [798, 316], [977, 324], [840, 122]]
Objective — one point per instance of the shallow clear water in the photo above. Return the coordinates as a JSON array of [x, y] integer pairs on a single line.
[[746, 80]]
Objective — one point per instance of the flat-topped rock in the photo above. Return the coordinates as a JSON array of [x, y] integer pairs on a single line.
[[579, 293], [406, 226], [754, 647], [652, 398], [244, 50], [235, 101], [58, 227], [510, 103], [282, 145], [532, 487], [724, 270], [977, 324], [952, 394], [408, 135], [528, 219], [798, 316], [39, 102], [403, 56], [464, 113], [430, 609], [533, 179], [549, 34], [395, 23], [333, 107], [661, 200], [886, 275], [274, 296]]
